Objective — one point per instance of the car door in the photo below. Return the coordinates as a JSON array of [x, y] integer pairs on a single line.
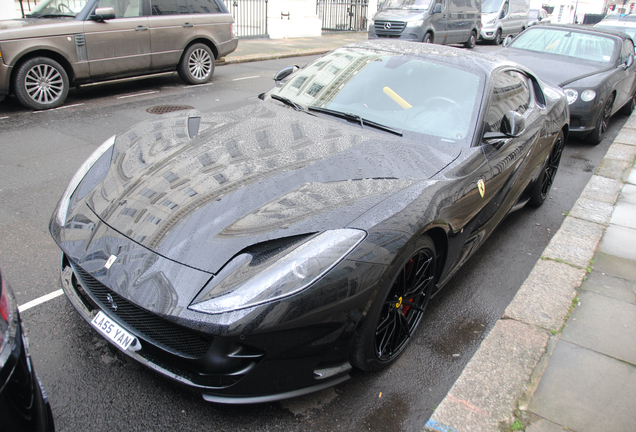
[[627, 74], [121, 46], [171, 28], [439, 22]]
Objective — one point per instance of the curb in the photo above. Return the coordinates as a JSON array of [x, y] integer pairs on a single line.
[[504, 372], [273, 56]]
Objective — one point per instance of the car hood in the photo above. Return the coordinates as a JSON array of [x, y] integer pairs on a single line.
[[38, 27], [399, 14], [552, 69], [259, 173]]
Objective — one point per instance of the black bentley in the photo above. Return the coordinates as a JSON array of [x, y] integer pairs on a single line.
[[260, 252], [595, 67]]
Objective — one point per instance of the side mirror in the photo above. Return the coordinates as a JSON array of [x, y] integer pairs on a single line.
[[438, 8], [513, 123], [507, 41], [284, 73], [102, 14], [630, 61], [502, 14]]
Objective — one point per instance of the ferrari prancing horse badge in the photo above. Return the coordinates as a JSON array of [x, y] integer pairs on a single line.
[[482, 187]]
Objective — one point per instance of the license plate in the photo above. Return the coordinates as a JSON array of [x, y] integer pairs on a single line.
[[112, 331]]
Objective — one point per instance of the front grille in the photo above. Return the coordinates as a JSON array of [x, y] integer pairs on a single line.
[[184, 341], [576, 122], [389, 28]]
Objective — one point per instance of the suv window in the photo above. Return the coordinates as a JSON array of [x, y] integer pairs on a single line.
[[123, 8], [510, 92], [203, 6], [166, 7]]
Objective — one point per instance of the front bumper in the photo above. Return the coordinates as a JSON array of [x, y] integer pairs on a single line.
[[398, 30], [5, 79], [488, 33], [584, 116]]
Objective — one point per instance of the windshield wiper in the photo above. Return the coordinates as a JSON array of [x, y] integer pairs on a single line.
[[357, 119], [288, 102], [51, 16]]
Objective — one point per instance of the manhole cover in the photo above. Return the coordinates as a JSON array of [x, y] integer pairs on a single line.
[[162, 109]]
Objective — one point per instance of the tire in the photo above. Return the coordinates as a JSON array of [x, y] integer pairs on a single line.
[[596, 136], [542, 186], [197, 64], [392, 319], [41, 83], [497, 39], [427, 38], [472, 40], [628, 108]]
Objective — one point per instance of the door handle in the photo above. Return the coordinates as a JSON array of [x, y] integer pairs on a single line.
[[187, 25], [140, 28]]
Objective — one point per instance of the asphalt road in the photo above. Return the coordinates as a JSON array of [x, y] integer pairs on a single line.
[[93, 388]]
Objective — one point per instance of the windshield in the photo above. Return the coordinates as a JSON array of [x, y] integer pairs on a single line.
[[583, 46], [490, 6], [630, 30], [58, 8], [405, 93], [405, 4]]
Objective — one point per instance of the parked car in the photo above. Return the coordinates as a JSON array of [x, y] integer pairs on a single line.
[[595, 68], [24, 405], [536, 16], [628, 27], [259, 252], [501, 18], [63, 43], [429, 21]]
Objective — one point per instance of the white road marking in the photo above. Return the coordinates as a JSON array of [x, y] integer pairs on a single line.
[[55, 109], [2, 118], [244, 78], [40, 300], [137, 94]]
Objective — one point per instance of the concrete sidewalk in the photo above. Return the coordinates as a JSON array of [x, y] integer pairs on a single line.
[[563, 356]]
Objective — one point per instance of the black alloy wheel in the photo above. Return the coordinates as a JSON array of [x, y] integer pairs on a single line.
[[596, 136], [541, 188], [394, 316], [472, 40]]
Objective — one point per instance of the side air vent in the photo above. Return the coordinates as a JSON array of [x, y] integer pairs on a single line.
[[80, 47]]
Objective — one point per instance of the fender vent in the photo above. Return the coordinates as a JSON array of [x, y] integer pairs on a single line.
[[163, 109], [80, 47]]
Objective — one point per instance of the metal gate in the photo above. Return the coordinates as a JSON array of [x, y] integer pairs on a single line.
[[343, 15], [250, 17]]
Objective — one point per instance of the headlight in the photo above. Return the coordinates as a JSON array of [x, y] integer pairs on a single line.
[[588, 95], [417, 23], [571, 95], [62, 207], [492, 21], [241, 284]]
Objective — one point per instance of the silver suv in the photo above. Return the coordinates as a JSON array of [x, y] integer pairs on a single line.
[[71, 42]]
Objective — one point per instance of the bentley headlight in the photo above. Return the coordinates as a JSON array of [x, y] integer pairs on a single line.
[[242, 283], [62, 206], [417, 23], [571, 95], [588, 95]]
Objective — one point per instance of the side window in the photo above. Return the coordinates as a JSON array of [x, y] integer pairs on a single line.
[[510, 92], [203, 7], [628, 48], [166, 7], [504, 11], [123, 8]]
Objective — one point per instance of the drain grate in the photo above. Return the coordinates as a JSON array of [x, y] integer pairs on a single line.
[[162, 109]]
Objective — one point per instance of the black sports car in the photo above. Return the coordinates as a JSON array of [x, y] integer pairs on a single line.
[[595, 67], [259, 253], [24, 406]]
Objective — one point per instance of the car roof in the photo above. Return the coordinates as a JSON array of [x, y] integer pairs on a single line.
[[451, 55], [580, 29]]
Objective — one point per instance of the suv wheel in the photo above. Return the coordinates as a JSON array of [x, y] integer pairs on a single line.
[[41, 83], [197, 64]]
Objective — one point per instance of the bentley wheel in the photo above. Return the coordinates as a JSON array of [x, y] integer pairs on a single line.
[[395, 315], [197, 64], [602, 123], [472, 40], [41, 83], [541, 188]]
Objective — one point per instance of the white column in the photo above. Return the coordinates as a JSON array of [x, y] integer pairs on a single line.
[[8, 9], [292, 18]]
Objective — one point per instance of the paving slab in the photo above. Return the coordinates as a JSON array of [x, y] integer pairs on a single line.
[[543, 425], [612, 168], [628, 194], [545, 296], [586, 391], [630, 123], [624, 215], [614, 266], [619, 241], [592, 211], [610, 286], [575, 242], [602, 189], [622, 152], [626, 135], [485, 394], [605, 325], [632, 177]]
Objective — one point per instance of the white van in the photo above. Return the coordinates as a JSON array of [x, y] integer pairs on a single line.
[[430, 21], [500, 18]]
